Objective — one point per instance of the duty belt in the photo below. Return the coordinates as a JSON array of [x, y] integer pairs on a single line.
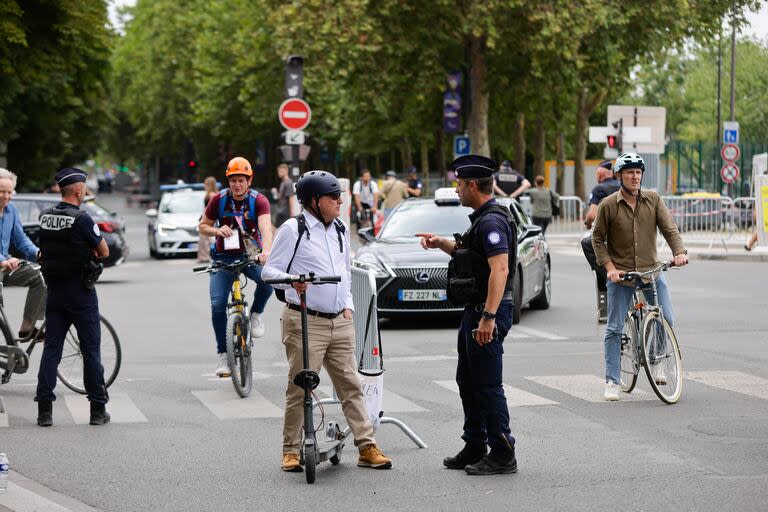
[[480, 307], [312, 312]]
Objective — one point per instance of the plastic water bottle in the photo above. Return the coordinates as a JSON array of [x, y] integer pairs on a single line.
[[5, 467]]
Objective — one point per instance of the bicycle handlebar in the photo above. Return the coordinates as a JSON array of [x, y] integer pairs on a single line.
[[630, 276], [305, 278], [235, 266]]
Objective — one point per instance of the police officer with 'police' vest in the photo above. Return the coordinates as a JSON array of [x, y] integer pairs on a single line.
[[480, 277], [70, 250]]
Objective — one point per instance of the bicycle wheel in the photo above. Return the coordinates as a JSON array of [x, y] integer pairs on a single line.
[[239, 354], [71, 367], [663, 362], [629, 359], [5, 363], [310, 461]]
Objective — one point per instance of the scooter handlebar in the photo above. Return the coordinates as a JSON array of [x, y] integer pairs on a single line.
[[305, 278]]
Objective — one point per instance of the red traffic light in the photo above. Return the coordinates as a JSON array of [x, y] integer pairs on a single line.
[[612, 140], [192, 163]]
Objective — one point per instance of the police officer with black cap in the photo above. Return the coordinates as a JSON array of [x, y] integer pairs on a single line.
[[71, 247], [480, 277]]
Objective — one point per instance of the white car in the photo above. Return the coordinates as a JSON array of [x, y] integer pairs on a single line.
[[172, 226]]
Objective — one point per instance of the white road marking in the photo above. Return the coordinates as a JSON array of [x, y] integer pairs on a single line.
[[419, 359], [737, 382], [392, 401], [517, 335], [120, 407], [516, 397], [587, 387], [4, 418], [535, 333], [20, 499], [227, 405]]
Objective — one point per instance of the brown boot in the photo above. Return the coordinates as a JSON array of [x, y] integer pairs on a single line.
[[291, 463], [372, 457]]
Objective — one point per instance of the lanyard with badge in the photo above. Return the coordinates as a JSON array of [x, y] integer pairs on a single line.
[[232, 242]]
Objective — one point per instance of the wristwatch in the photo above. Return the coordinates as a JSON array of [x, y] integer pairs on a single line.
[[488, 315]]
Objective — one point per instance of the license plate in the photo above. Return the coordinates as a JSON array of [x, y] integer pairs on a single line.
[[416, 295]]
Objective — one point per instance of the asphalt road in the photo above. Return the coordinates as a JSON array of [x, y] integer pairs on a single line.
[[181, 440]]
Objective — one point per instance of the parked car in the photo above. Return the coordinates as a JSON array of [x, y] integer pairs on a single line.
[[172, 228], [111, 225], [412, 280]]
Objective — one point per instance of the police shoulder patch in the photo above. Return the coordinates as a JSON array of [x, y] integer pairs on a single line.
[[494, 237], [96, 230]]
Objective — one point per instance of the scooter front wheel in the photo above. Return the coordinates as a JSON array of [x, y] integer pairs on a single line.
[[310, 462]]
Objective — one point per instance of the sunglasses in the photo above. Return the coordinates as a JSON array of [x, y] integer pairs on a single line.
[[334, 195]]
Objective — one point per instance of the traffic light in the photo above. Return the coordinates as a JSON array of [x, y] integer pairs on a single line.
[[192, 163], [613, 142]]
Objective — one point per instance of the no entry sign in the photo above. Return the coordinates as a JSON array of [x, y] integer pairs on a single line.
[[294, 114]]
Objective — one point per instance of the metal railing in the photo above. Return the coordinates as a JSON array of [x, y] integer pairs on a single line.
[[570, 221]]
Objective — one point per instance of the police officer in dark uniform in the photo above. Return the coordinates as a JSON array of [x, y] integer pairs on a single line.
[[71, 247], [415, 187], [480, 277]]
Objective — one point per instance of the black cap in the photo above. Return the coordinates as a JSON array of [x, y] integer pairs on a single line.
[[412, 170], [473, 166], [69, 176]]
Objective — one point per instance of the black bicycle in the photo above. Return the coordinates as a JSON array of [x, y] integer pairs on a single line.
[[239, 342], [14, 359], [307, 379]]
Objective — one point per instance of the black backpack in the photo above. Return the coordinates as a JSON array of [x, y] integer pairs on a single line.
[[302, 226]]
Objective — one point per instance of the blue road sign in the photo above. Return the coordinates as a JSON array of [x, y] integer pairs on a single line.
[[730, 132], [461, 146]]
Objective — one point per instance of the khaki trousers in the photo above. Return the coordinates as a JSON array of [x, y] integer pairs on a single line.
[[331, 345]]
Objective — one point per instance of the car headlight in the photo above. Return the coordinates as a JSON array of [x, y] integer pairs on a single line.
[[165, 229], [369, 261]]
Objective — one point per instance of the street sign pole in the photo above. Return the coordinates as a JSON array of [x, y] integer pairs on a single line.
[[294, 88]]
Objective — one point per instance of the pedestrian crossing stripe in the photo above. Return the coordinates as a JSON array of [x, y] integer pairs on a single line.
[[392, 401], [516, 397], [121, 409], [587, 387], [734, 381], [227, 405]]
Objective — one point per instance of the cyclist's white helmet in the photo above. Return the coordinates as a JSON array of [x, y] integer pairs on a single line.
[[628, 161]]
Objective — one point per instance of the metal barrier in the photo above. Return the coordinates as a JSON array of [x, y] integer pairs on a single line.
[[702, 219], [570, 221], [367, 340]]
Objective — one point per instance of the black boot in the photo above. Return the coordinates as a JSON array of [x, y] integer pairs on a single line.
[[99, 414], [471, 454], [498, 462], [44, 413]]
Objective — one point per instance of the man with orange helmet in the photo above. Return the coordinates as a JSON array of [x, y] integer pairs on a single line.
[[240, 220]]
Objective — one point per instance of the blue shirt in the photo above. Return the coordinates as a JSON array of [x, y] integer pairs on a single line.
[[492, 230], [603, 190], [12, 236]]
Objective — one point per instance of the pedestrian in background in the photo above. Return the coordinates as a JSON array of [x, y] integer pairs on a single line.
[[508, 182], [393, 192], [415, 187], [284, 208], [204, 243], [71, 250], [541, 204]]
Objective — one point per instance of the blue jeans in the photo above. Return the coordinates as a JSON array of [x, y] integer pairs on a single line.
[[619, 299], [479, 376], [221, 285]]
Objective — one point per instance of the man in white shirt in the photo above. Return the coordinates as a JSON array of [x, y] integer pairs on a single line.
[[365, 193], [324, 250]]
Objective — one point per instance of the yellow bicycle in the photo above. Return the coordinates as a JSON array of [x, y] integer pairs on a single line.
[[238, 333]]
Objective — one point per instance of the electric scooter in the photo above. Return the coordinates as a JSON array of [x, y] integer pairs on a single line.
[[312, 452]]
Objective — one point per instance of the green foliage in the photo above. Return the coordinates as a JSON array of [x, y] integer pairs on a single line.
[[54, 56]]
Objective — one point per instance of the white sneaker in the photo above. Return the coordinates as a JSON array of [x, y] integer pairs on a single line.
[[611, 392], [222, 366], [659, 376], [257, 325]]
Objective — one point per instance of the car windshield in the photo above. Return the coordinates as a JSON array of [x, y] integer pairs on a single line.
[[425, 217], [185, 202], [94, 209]]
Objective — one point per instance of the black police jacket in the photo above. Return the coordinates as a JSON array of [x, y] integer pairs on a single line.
[[468, 270], [61, 255]]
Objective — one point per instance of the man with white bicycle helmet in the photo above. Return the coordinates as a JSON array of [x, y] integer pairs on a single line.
[[624, 240]]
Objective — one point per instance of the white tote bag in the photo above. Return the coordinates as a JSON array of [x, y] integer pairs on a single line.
[[372, 387]]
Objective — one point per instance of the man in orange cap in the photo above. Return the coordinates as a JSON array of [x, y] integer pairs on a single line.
[[240, 220]]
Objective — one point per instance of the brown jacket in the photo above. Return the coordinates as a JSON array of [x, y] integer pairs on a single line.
[[628, 237]]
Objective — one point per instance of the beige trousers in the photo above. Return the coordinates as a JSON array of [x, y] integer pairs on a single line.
[[331, 345]]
